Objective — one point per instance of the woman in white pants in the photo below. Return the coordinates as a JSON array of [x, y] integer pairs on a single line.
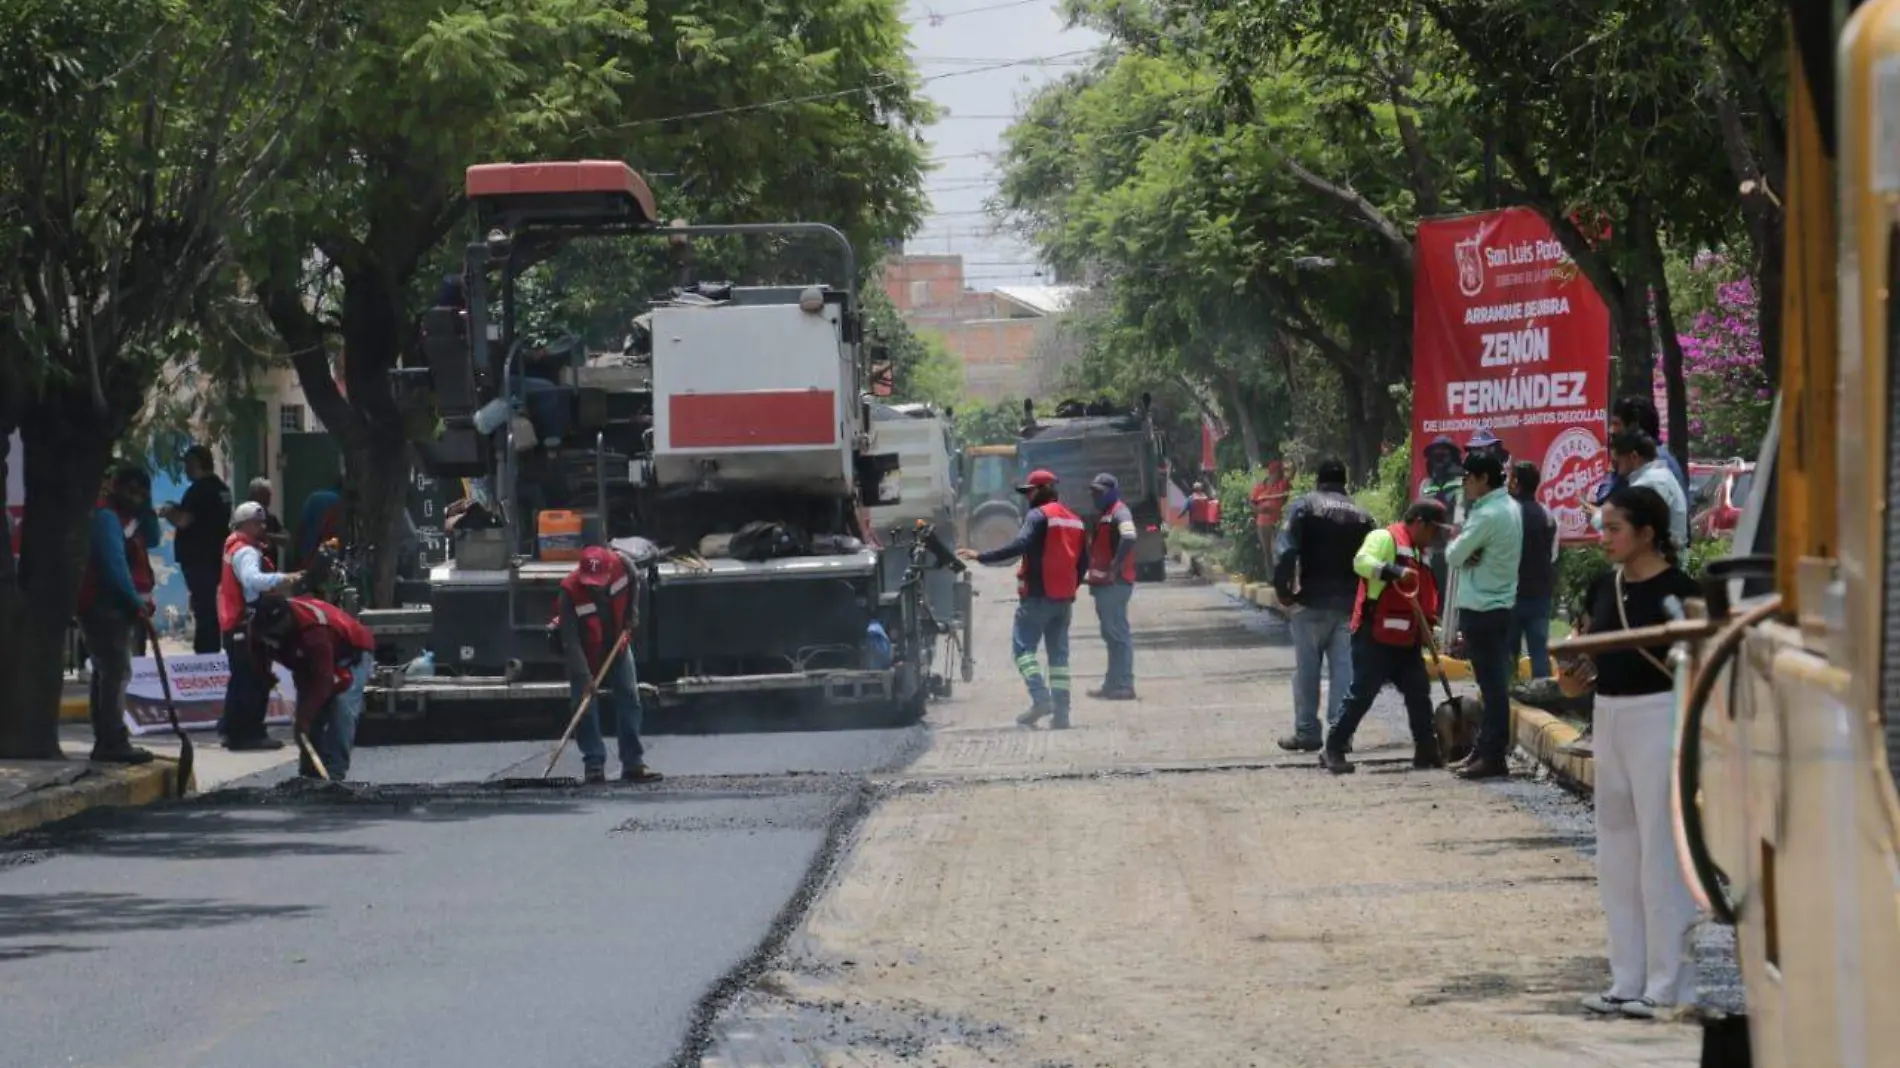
[[1646, 900]]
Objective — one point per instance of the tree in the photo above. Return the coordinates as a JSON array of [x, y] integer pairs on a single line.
[[132, 132], [1246, 217], [765, 110]]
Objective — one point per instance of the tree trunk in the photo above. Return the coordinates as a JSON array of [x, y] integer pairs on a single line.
[[1635, 342], [1675, 385], [377, 456], [66, 452], [1765, 229], [1243, 417]]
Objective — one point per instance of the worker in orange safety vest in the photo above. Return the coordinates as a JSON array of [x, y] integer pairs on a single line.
[[598, 602], [1051, 548], [330, 655]]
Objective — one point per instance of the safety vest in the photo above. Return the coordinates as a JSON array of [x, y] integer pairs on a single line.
[[602, 611], [1052, 567], [349, 632], [1203, 509], [231, 602], [1394, 619], [136, 560], [1106, 539]]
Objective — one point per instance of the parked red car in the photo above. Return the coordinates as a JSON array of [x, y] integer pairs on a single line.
[[1718, 493]]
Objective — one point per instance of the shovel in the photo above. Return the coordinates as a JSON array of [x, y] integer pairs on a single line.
[[1455, 720], [185, 755]]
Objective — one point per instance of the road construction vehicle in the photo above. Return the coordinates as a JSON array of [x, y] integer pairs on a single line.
[[924, 440], [989, 512], [1788, 690], [1085, 440], [724, 444]]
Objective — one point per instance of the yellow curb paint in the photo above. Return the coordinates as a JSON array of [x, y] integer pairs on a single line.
[[1542, 735], [1460, 670], [102, 787], [74, 710]]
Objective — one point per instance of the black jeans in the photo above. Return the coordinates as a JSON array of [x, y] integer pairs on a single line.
[[246, 697], [1373, 665], [1488, 642], [203, 588]]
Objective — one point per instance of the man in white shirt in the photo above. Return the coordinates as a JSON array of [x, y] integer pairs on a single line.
[[248, 574]]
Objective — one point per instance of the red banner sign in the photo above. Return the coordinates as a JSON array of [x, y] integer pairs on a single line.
[[1508, 336]]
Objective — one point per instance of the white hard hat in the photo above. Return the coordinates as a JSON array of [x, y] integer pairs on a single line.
[[248, 512]]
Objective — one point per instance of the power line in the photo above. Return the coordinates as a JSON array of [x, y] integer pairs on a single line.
[[938, 19], [809, 98]]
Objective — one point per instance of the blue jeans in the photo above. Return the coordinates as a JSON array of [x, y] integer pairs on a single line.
[[1319, 634], [1530, 626], [1040, 620], [336, 732], [1488, 641], [1111, 609], [619, 691]]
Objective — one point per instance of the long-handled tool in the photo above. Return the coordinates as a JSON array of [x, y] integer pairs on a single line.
[[310, 754], [1455, 719], [185, 754], [587, 701]]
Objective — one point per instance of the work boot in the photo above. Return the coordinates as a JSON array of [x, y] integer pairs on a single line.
[[593, 776], [1484, 768], [1035, 713], [1112, 693], [262, 743], [640, 773], [123, 753], [1061, 720], [1293, 743], [1425, 755], [1335, 762]]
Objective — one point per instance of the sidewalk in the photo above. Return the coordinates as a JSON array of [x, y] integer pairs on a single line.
[[1162, 886], [33, 793]]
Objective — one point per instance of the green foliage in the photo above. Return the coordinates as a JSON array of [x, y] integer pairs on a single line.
[[1580, 566], [995, 423], [1244, 556]]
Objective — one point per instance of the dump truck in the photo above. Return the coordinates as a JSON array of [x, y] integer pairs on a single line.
[[726, 447]]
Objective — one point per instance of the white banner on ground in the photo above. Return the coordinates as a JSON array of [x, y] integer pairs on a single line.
[[198, 684]]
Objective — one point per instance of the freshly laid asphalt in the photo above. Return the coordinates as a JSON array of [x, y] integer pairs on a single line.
[[431, 917]]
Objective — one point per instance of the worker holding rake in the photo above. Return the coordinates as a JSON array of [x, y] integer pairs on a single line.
[[597, 611]]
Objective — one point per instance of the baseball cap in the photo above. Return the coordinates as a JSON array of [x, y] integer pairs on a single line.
[[1037, 479], [1483, 439], [248, 512], [1105, 481], [596, 566]]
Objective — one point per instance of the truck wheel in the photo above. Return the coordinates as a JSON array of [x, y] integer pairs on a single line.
[[1152, 572], [992, 532]]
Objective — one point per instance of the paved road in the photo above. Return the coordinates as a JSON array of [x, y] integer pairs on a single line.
[[1159, 886], [439, 922]]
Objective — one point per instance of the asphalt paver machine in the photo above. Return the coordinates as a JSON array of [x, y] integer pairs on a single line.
[[725, 447]]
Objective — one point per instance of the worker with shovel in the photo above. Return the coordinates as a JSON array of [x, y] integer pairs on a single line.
[[330, 655], [111, 605], [1388, 635], [597, 612]]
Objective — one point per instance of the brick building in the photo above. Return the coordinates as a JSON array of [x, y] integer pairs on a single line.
[[1001, 336]]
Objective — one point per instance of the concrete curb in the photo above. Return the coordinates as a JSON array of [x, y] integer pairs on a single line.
[[1542, 735], [100, 787], [74, 710]]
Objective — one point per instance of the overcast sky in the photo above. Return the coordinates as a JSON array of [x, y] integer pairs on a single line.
[[961, 48]]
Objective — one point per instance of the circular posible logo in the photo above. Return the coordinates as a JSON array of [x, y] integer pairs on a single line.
[[1574, 463]]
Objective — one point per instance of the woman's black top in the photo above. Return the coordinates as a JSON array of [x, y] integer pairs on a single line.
[[1628, 673]]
